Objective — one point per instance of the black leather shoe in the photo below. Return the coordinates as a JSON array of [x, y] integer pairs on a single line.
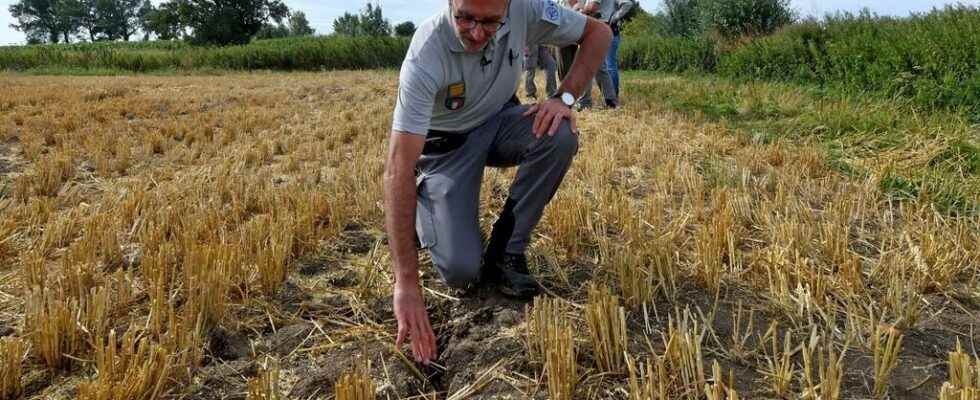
[[502, 231], [514, 279]]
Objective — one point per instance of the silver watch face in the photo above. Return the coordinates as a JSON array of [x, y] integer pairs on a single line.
[[568, 99]]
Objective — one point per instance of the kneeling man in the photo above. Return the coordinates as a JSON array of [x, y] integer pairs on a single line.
[[456, 114]]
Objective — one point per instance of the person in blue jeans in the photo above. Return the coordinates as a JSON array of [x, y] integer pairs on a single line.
[[623, 8]]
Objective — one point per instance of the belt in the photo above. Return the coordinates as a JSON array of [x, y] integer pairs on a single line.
[[442, 142]]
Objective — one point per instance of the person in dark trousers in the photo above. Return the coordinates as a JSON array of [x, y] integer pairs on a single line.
[[456, 114], [538, 56], [599, 9]]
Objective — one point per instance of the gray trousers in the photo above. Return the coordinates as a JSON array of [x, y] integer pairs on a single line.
[[605, 86], [566, 55], [447, 211], [540, 57]]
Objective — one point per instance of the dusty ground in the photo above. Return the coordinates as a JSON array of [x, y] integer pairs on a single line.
[[215, 155]]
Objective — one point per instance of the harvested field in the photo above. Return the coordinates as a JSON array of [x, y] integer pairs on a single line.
[[212, 237]]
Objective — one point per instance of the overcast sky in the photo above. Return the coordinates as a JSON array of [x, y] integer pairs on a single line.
[[322, 12]]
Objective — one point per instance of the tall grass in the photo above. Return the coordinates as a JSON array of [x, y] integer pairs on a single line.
[[932, 58], [302, 54]]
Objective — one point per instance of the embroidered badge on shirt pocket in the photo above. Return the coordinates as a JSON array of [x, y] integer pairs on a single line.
[[456, 96]]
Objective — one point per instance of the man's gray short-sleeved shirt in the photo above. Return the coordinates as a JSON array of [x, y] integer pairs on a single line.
[[443, 88]]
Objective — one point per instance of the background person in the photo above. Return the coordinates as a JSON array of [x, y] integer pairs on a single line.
[[539, 56], [616, 22], [593, 8]]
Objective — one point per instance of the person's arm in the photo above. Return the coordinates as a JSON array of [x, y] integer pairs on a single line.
[[624, 7], [592, 6], [400, 192], [593, 46]]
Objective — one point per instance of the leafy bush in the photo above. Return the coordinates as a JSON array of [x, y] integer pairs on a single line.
[[735, 18], [932, 58], [665, 53]]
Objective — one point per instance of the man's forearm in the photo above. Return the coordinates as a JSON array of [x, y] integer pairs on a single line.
[[400, 199], [592, 51]]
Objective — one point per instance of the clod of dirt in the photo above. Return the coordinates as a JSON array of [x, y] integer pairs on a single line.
[[314, 266], [5, 329], [481, 333], [357, 242], [223, 380], [288, 338], [289, 297], [225, 345], [392, 377]]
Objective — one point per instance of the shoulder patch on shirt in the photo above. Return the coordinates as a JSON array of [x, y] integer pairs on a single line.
[[552, 13]]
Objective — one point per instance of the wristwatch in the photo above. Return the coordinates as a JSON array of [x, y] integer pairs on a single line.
[[567, 98]]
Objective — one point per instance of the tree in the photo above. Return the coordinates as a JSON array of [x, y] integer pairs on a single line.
[[170, 20], [50, 20], [347, 25], [299, 25], [142, 16], [405, 29], [273, 31], [225, 22], [113, 19], [369, 23], [373, 23], [682, 17]]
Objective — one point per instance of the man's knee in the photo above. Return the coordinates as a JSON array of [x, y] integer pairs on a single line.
[[461, 271], [565, 142]]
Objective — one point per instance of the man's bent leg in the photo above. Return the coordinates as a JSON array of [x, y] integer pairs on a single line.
[[542, 164], [447, 210]]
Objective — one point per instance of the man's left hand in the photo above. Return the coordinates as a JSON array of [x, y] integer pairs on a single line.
[[548, 117]]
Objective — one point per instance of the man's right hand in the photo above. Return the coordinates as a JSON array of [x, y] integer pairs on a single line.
[[413, 322]]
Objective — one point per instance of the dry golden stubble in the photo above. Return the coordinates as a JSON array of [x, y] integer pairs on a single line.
[[828, 364], [718, 389], [886, 344], [265, 384], [355, 384], [46, 179], [716, 244], [12, 352], [649, 380], [964, 376], [607, 328], [683, 355], [779, 367], [51, 323], [550, 341], [131, 368]]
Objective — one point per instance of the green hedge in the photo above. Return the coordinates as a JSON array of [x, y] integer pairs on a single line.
[[933, 58], [304, 53]]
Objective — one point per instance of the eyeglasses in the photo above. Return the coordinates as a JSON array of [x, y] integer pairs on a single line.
[[470, 23]]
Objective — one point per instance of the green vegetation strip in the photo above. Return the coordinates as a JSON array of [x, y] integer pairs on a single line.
[[289, 54], [932, 156], [933, 58]]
